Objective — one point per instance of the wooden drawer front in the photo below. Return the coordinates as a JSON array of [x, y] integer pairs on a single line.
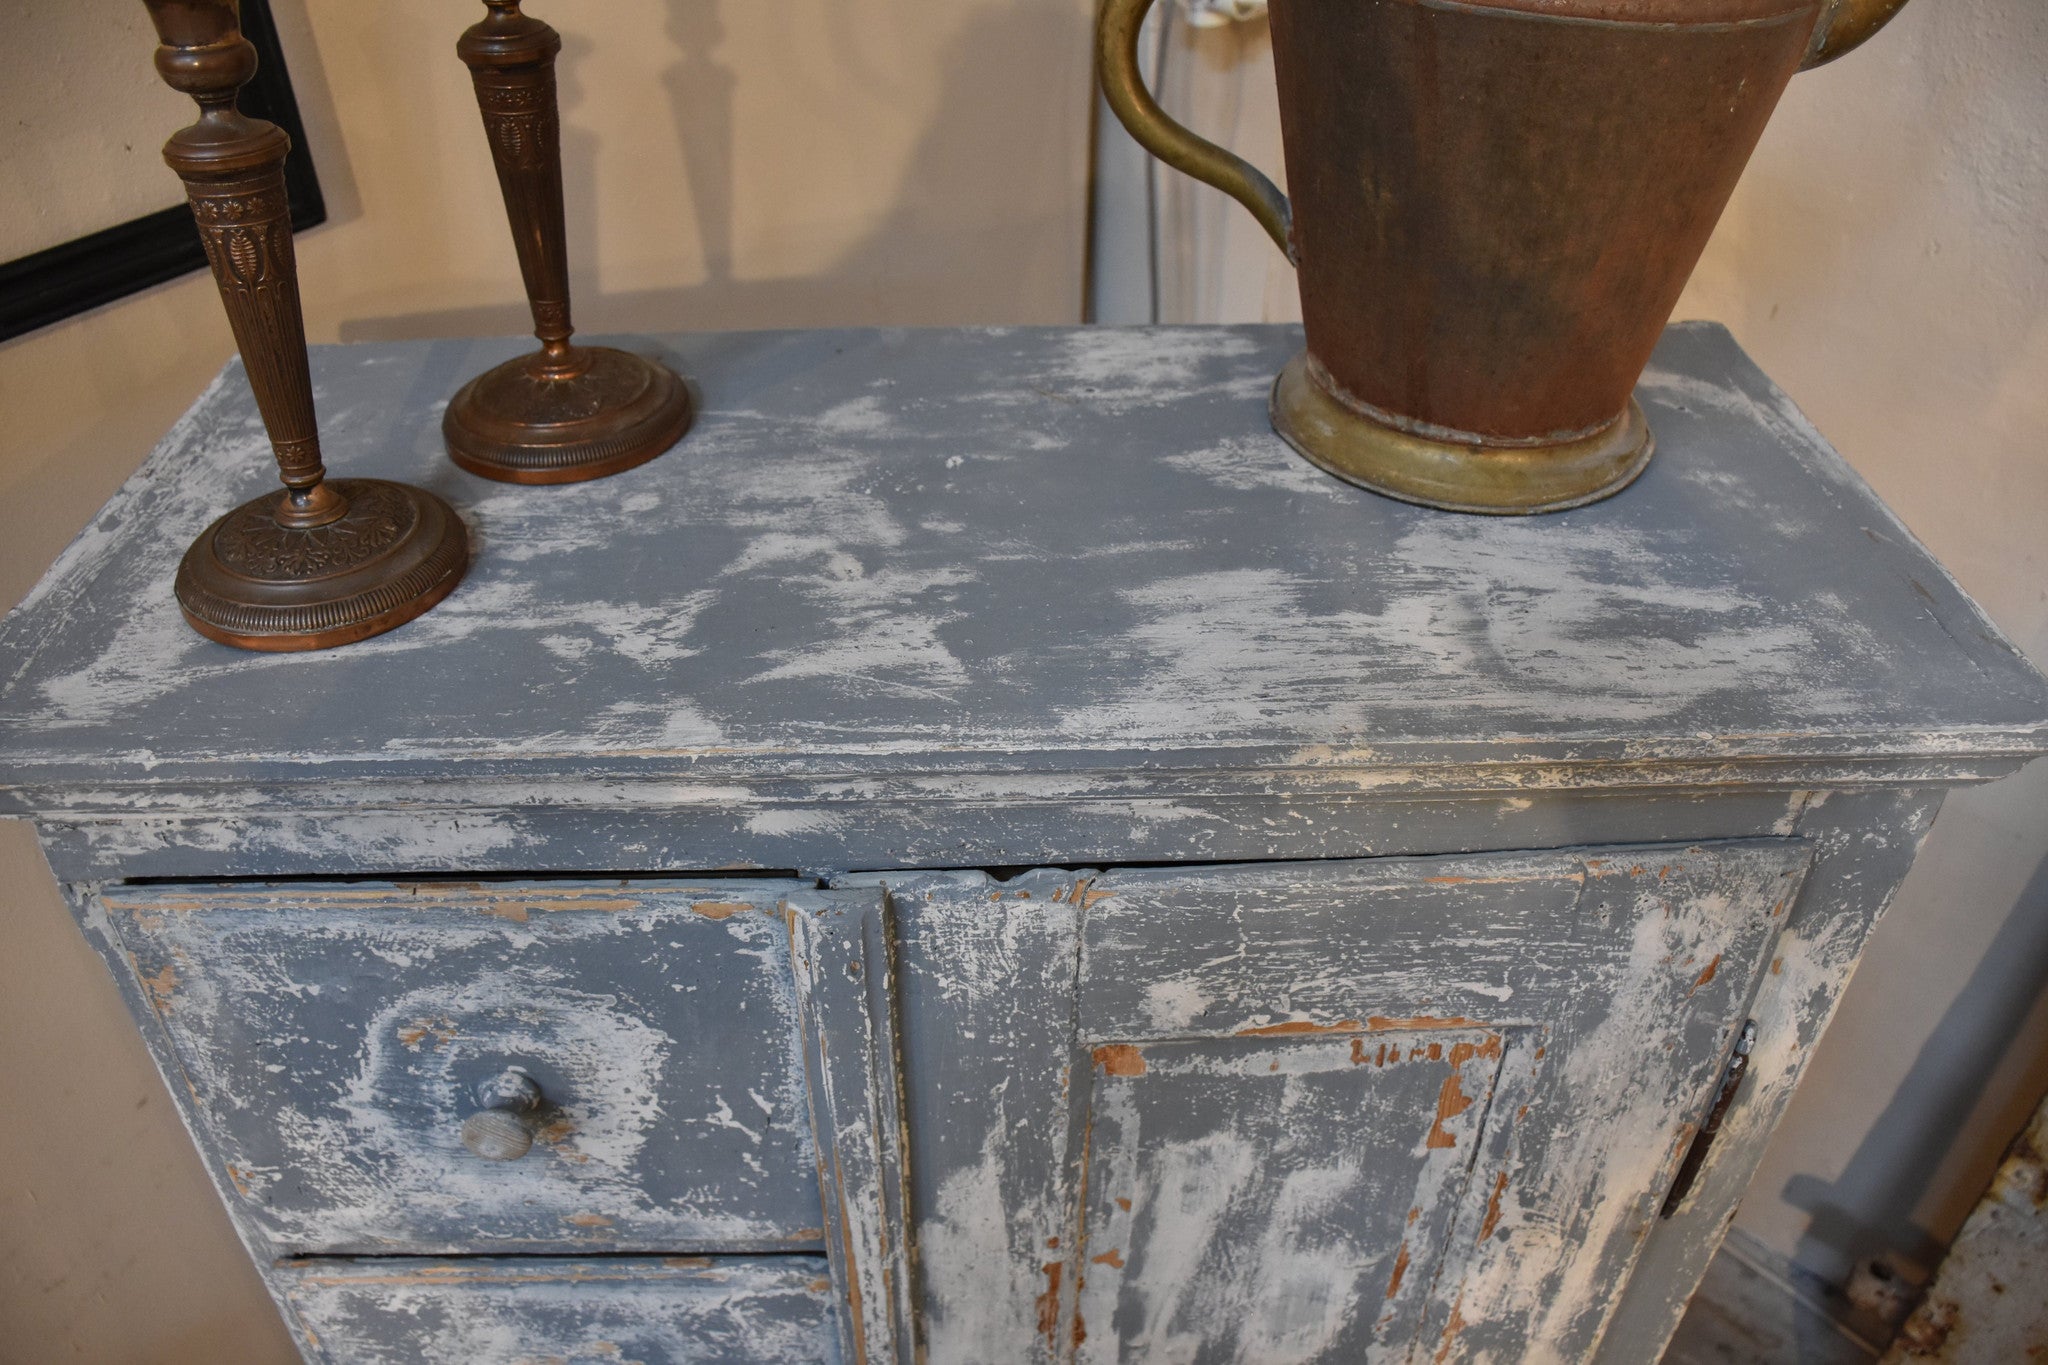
[[754, 1310], [333, 1037], [1400, 1108]]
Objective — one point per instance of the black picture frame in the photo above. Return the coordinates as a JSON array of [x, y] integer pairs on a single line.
[[62, 281]]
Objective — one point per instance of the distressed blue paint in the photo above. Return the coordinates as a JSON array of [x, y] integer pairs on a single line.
[[972, 598]]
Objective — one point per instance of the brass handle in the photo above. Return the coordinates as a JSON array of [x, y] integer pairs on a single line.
[[1845, 25], [503, 1129], [1116, 56]]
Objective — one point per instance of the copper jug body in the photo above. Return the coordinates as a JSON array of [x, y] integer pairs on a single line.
[[1496, 204]]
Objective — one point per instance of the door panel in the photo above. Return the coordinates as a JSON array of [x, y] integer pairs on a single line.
[[1249, 1062], [1249, 1199]]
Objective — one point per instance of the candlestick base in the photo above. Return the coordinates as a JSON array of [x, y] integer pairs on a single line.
[[255, 584], [532, 420]]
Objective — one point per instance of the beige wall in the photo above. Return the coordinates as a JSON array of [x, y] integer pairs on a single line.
[[88, 172], [730, 164], [1885, 259]]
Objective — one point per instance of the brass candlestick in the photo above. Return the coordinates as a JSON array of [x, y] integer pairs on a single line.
[[565, 413], [319, 564]]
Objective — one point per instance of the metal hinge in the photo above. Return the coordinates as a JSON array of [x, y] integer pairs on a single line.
[[1696, 1156]]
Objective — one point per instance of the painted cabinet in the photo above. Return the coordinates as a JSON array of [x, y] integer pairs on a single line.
[[981, 855]]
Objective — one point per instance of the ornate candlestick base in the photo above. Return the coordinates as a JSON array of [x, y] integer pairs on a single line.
[[251, 582], [527, 421], [323, 562], [568, 412]]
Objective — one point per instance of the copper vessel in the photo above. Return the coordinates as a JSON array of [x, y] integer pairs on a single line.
[[1496, 204]]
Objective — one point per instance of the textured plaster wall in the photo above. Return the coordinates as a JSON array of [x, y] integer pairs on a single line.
[[61, 58], [730, 164], [1886, 260]]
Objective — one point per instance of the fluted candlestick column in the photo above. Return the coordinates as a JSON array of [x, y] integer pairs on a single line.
[[322, 563], [566, 412]]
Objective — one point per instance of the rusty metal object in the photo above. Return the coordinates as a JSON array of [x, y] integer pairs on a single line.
[[565, 413], [321, 564], [1495, 206], [1986, 1302]]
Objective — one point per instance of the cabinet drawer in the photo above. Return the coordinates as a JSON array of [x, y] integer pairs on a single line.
[[333, 1039], [748, 1310]]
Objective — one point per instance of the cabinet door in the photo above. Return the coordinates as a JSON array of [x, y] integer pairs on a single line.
[[1389, 1109]]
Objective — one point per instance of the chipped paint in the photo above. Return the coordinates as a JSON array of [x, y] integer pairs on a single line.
[[719, 909], [1048, 1303], [1296, 1026], [1492, 1219], [1400, 1271], [1452, 1099], [751, 619], [1120, 1059], [162, 985]]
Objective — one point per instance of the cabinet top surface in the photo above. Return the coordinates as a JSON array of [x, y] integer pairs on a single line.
[[1031, 551]]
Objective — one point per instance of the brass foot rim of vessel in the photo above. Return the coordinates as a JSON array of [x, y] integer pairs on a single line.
[[250, 582], [1454, 476], [514, 424]]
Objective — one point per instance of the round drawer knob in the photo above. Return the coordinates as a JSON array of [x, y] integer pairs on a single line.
[[503, 1129], [497, 1135]]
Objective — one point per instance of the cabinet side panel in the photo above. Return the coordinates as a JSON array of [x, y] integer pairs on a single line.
[[1864, 844]]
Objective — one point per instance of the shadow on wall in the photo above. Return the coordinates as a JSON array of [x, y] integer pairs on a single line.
[[1898, 1162], [941, 232]]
